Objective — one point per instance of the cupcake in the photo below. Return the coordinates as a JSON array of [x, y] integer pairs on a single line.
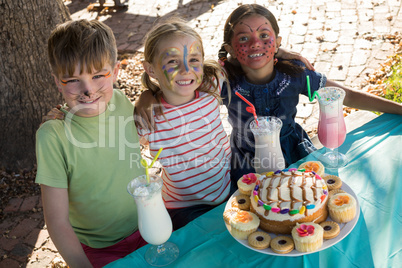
[[243, 224], [342, 207], [315, 166], [308, 237], [333, 192], [247, 183], [229, 213]]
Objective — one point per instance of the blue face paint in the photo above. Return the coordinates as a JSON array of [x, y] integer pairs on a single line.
[[185, 59]]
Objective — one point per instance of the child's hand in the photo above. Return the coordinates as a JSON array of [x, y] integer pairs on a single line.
[[55, 113], [291, 55], [143, 116]]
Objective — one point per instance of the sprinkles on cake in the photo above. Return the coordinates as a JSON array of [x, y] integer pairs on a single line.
[[307, 205]]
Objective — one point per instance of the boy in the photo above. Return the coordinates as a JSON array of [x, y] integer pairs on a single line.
[[86, 161]]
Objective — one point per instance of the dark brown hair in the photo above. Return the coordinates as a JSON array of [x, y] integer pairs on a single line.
[[233, 67]]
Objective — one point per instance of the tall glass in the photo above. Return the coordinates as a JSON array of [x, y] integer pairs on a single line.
[[268, 152], [331, 126], [154, 221]]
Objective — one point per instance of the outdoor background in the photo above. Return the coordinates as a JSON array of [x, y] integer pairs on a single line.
[[354, 42]]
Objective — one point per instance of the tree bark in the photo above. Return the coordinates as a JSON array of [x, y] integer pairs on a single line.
[[27, 89]]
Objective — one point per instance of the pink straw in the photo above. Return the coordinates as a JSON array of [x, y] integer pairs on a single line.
[[252, 108]]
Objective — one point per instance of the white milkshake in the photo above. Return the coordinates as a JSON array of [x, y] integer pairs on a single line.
[[268, 152], [154, 221]]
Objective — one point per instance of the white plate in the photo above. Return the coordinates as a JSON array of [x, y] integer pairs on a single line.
[[346, 228]]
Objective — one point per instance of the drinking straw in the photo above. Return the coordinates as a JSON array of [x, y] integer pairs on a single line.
[[311, 98], [252, 108], [156, 156], [146, 166]]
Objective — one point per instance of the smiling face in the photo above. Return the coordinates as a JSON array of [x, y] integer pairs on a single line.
[[87, 94], [254, 42], [178, 67]]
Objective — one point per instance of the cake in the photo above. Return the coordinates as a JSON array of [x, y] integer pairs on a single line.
[[247, 182], [243, 224], [287, 197], [307, 237], [342, 207], [315, 166]]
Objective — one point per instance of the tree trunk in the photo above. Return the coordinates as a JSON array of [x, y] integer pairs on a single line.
[[27, 89]]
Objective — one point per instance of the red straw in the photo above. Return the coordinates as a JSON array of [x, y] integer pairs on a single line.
[[250, 104]]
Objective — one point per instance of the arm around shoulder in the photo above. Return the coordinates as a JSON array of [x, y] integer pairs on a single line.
[[366, 101], [55, 210], [143, 116]]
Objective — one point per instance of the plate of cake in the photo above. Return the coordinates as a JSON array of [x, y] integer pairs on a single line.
[[291, 212]]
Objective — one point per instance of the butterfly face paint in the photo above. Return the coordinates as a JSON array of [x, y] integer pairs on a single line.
[[181, 64], [178, 67], [254, 42]]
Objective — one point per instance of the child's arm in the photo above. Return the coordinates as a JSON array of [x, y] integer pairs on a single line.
[[143, 116], [55, 113], [55, 210], [366, 101], [291, 55]]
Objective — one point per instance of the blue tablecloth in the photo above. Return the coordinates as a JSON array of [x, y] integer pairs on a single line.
[[374, 173]]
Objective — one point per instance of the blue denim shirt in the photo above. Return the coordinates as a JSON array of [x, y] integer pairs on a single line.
[[277, 98]]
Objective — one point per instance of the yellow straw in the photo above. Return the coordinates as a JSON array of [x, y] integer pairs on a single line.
[[145, 164], [156, 156]]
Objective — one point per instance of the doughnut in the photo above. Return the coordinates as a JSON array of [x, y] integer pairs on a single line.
[[333, 182], [331, 229], [259, 240], [282, 244], [229, 213], [242, 202]]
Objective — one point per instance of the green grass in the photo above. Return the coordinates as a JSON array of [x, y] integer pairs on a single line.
[[393, 83]]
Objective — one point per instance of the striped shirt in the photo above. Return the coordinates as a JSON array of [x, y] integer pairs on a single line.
[[196, 152]]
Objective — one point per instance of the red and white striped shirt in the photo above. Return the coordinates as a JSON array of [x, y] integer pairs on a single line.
[[196, 152]]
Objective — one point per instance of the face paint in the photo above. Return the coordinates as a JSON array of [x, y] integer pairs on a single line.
[[185, 58], [254, 42], [198, 67], [171, 71], [170, 62]]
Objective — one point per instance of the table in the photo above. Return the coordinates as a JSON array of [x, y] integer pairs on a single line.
[[374, 173]]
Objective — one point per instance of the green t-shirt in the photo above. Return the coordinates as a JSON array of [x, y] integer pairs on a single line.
[[94, 158]]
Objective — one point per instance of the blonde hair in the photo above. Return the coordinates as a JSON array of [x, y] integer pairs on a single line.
[[178, 27], [89, 43]]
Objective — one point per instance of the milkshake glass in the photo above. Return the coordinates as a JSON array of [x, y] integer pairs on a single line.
[[331, 126], [154, 222], [268, 152]]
